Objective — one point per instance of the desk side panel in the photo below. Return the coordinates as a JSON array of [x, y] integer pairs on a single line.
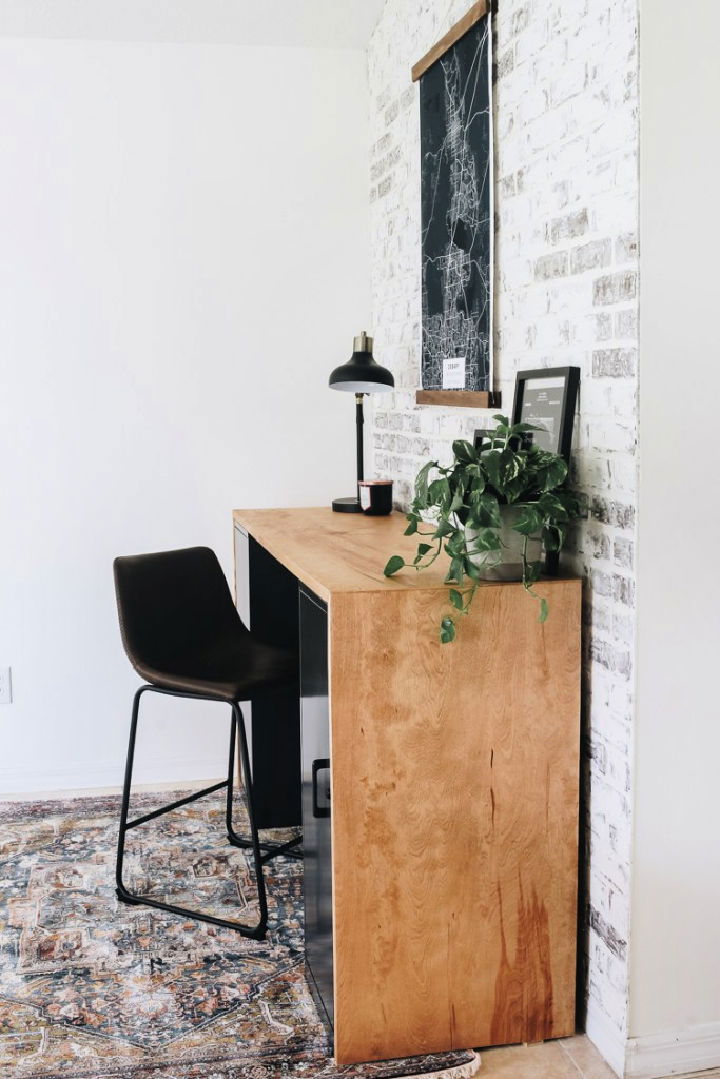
[[266, 595], [455, 821]]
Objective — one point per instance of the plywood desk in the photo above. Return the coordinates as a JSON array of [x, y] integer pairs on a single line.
[[440, 787]]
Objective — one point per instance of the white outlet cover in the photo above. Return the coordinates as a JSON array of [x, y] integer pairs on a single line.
[[5, 685]]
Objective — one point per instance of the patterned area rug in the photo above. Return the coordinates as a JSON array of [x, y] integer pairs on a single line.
[[93, 989]]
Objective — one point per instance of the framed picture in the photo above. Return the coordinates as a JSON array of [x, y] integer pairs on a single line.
[[456, 147], [483, 438], [547, 398]]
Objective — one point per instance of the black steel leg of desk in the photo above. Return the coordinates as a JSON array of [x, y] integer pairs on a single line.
[[267, 599], [276, 760]]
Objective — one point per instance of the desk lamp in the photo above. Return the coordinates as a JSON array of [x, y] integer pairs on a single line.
[[360, 375]]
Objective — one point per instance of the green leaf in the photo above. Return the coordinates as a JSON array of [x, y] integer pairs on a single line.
[[456, 544], [485, 513], [457, 501], [463, 451], [552, 538], [456, 599], [447, 630], [439, 493], [476, 489], [544, 610], [522, 428], [395, 563], [455, 572], [491, 464], [509, 465], [555, 473], [517, 489], [444, 528], [529, 521], [412, 527], [551, 505], [421, 482], [487, 539], [472, 571], [422, 550]]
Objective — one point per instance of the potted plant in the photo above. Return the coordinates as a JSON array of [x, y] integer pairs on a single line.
[[493, 511]]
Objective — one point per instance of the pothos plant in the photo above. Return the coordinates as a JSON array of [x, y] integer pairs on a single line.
[[459, 510]]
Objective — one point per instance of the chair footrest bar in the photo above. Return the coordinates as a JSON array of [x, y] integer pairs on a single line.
[[265, 858], [273, 850], [174, 805]]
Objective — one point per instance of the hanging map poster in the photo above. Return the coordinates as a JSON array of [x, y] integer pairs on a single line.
[[457, 215]]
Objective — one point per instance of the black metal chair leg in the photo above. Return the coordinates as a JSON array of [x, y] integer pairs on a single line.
[[255, 932], [271, 850], [239, 726], [120, 890]]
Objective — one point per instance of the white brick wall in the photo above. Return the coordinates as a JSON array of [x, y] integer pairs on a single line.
[[565, 293]]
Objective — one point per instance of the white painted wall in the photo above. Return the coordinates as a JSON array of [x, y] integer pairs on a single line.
[[675, 928], [309, 23], [183, 238]]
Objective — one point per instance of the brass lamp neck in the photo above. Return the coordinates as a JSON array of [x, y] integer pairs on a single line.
[[362, 343]]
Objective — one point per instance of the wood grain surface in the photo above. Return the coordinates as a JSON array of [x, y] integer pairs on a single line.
[[458, 30], [455, 820], [342, 552], [459, 398], [454, 790]]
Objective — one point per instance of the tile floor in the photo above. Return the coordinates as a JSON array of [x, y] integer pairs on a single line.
[[570, 1058]]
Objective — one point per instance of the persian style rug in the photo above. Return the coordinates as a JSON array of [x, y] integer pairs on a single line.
[[93, 989]]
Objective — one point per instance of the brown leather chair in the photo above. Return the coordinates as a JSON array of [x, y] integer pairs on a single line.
[[184, 637]]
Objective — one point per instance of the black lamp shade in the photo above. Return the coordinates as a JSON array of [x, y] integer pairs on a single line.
[[361, 374]]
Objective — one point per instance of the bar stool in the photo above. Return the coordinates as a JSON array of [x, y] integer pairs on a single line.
[[184, 637]]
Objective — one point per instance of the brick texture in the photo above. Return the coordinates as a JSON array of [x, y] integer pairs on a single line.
[[566, 292]]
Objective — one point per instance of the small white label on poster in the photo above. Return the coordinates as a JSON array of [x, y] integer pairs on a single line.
[[454, 373]]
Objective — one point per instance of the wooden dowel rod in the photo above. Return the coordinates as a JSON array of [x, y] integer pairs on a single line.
[[476, 12]]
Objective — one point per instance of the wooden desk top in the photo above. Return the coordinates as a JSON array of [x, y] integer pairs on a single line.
[[341, 552]]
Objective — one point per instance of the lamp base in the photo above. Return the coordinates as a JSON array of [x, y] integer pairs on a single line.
[[346, 505]]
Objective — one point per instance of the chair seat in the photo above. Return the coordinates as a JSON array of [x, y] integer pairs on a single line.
[[236, 670]]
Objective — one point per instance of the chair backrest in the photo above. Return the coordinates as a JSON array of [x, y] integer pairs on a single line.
[[172, 604]]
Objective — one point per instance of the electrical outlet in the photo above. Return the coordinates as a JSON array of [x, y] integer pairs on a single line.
[[5, 685]]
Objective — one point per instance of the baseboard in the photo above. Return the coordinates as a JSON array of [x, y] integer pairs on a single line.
[[681, 1053], [610, 1042], [91, 775]]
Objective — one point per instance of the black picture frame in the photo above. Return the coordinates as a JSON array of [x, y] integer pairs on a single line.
[[482, 434], [559, 397]]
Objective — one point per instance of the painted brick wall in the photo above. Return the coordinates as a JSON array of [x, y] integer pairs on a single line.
[[566, 288]]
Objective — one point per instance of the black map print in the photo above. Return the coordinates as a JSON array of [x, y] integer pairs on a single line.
[[456, 147]]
